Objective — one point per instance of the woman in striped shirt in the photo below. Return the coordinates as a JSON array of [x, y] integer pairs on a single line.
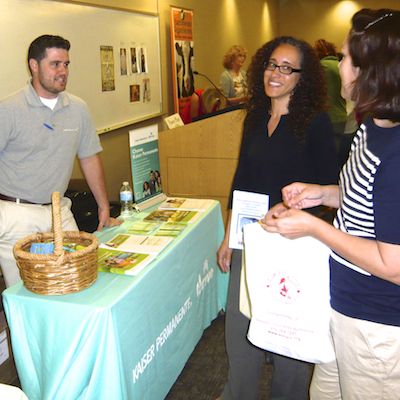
[[365, 238]]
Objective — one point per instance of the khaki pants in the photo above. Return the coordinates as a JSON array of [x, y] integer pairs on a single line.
[[20, 220], [367, 365]]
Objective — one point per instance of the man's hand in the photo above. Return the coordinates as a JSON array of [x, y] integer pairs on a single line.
[[105, 221]]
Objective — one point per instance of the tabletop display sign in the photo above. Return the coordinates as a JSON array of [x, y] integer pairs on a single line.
[[145, 166], [173, 121], [182, 56]]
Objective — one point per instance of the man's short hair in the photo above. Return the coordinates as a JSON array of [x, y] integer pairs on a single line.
[[37, 49]]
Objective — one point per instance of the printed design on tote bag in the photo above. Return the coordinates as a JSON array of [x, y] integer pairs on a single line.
[[283, 287]]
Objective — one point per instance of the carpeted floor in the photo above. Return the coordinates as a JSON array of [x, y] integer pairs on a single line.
[[204, 375]]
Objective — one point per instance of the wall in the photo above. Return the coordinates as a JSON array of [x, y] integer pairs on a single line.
[[328, 19], [115, 155], [145, 6], [217, 26]]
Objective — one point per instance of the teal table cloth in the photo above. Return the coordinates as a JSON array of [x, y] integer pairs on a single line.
[[125, 337]]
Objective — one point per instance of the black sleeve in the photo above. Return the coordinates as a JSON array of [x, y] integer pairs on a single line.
[[240, 174]]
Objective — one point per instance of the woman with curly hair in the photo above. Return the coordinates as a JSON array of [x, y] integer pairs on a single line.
[[233, 80], [365, 238], [286, 135]]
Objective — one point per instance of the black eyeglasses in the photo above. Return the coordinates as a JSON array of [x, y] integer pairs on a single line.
[[283, 69]]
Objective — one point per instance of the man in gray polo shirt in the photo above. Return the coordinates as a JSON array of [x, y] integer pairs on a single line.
[[42, 130]]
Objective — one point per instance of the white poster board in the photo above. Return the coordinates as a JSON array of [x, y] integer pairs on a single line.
[[88, 28]]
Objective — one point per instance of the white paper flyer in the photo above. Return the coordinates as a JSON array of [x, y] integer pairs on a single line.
[[247, 208]]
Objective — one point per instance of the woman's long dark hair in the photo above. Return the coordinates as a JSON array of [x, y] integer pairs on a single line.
[[309, 95], [374, 47]]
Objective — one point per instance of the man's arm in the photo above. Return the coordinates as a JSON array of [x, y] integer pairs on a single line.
[[92, 169]]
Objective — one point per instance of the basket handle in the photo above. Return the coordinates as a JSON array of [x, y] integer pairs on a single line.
[[58, 234]]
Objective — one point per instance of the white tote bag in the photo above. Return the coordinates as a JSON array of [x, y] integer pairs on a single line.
[[288, 289]]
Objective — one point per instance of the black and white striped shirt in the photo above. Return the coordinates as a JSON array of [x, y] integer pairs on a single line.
[[369, 208]]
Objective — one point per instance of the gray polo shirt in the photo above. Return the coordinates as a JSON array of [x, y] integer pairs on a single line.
[[38, 145]]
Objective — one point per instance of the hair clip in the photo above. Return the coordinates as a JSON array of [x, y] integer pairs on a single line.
[[377, 20]]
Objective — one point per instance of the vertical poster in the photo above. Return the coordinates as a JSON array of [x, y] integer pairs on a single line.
[[134, 61], [145, 163], [134, 93], [123, 69], [107, 68], [143, 60], [182, 56]]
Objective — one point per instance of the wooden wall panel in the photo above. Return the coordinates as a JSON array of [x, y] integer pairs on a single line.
[[199, 160]]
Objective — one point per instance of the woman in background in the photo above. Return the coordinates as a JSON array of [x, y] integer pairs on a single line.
[[344, 125], [365, 238], [146, 189], [233, 80], [286, 135], [336, 103], [158, 181]]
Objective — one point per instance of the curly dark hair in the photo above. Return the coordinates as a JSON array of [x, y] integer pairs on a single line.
[[309, 96]]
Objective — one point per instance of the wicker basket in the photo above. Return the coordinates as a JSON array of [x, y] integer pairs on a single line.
[[60, 272]]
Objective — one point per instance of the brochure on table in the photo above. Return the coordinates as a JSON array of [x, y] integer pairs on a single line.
[[128, 252], [247, 208], [173, 216], [145, 166], [122, 262], [178, 203], [138, 243]]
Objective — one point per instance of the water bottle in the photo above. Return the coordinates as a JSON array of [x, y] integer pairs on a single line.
[[126, 198]]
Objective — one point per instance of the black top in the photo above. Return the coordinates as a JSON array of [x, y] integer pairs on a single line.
[[267, 164]]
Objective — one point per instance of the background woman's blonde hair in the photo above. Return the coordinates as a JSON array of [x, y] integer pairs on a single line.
[[231, 54]]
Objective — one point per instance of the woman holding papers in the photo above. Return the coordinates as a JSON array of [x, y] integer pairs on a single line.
[[286, 135], [365, 238]]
